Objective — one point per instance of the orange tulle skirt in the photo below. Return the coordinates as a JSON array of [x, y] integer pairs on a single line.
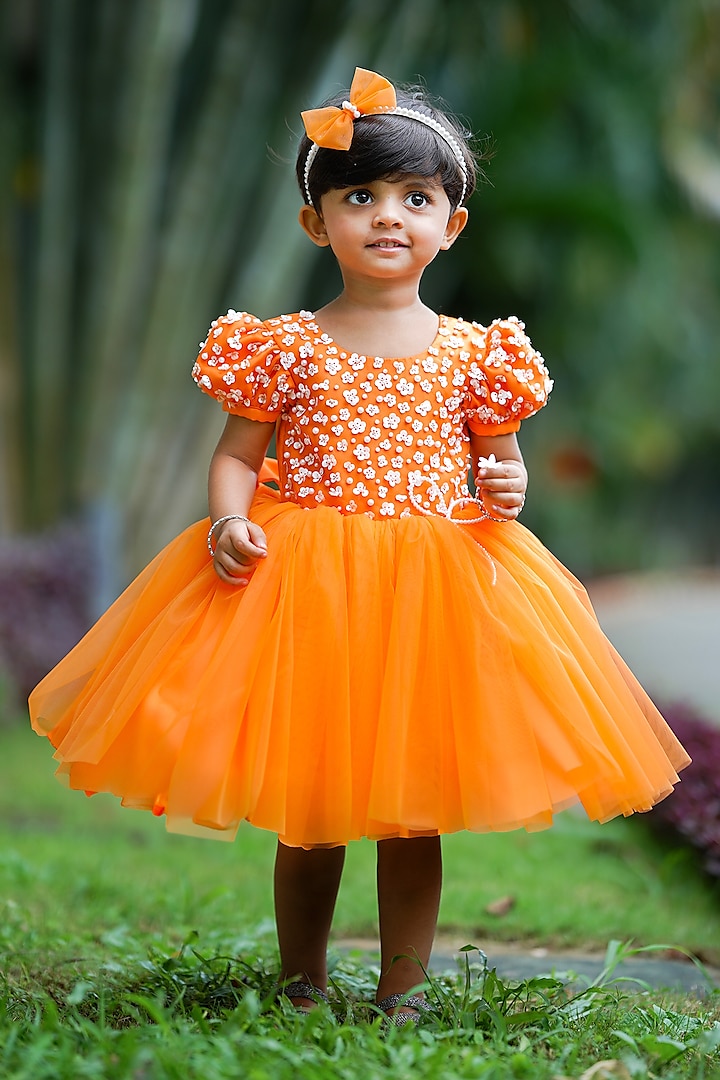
[[377, 678]]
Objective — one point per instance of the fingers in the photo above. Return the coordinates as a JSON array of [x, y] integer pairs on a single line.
[[239, 549], [502, 486], [500, 473]]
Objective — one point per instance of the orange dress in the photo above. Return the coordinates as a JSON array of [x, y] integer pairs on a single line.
[[398, 665]]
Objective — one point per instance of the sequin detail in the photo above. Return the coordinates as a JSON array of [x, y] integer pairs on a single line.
[[364, 434]]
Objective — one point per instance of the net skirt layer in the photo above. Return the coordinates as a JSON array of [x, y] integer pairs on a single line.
[[377, 678]]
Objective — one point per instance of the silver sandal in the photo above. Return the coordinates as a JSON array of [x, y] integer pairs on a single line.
[[304, 990], [418, 1004]]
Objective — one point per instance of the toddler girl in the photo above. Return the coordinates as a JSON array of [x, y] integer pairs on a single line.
[[370, 651]]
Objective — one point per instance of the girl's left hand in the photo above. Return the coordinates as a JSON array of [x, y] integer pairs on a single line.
[[501, 485]]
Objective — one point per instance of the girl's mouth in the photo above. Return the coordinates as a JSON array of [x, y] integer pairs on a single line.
[[388, 245]]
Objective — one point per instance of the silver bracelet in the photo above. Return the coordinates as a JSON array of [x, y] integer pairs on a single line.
[[221, 521]]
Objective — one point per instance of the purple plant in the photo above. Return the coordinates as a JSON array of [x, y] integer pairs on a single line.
[[45, 594], [693, 810]]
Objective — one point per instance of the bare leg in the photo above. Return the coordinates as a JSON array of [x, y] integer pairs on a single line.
[[306, 887], [409, 878]]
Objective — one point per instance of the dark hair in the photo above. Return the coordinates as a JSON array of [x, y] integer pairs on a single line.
[[385, 145]]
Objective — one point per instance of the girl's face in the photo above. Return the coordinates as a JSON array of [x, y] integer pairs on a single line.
[[387, 228]]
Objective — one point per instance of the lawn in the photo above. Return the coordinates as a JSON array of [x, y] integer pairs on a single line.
[[98, 902]]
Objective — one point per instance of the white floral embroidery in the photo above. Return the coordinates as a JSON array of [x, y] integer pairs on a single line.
[[394, 412]]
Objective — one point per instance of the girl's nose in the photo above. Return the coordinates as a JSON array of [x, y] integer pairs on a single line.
[[387, 214]]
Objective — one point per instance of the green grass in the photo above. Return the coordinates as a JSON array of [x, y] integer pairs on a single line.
[[193, 1016], [126, 952], [81, 863]]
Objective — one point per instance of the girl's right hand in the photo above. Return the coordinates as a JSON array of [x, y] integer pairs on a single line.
[[238, 549]]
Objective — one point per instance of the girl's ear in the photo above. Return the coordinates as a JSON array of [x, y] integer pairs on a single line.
[[456, 224], [312, 224]]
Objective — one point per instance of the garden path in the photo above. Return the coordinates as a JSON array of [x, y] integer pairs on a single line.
[[518, 961], [667, 628]]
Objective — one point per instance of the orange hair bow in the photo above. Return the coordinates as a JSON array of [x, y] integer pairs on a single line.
[[332, 127]]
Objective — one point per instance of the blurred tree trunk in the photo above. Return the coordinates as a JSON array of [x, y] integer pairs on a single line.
[[147, 184], [159, 205]]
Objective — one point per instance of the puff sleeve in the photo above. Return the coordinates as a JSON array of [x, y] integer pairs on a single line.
[[241, 366], [507, 378]]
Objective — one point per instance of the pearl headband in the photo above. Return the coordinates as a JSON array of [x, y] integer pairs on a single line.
[[370, 95]]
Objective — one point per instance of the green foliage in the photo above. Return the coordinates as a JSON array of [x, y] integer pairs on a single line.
[[147, 150], [126, 953], [190, 1015], [78, 873]]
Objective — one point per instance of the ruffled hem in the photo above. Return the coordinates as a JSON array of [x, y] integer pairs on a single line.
[[376, 678]]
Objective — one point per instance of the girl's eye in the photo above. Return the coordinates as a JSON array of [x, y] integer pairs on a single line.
[[359, 198], [417, 199]]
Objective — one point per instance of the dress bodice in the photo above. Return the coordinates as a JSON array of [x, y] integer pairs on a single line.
[[374, 435]]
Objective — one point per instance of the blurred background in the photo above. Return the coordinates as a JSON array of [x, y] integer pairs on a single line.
[[146, 185]]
